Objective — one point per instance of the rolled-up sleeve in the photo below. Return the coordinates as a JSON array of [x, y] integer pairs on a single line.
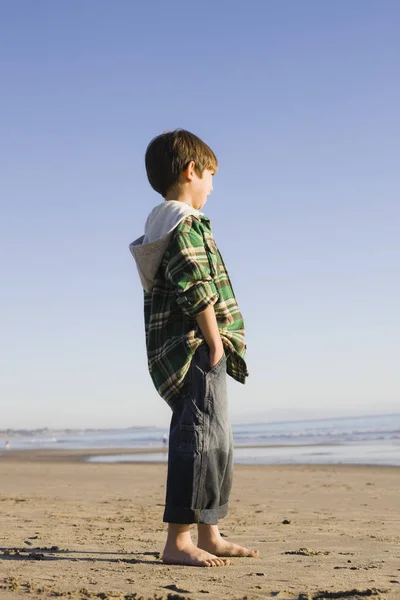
[[196, 299], [188, 270]]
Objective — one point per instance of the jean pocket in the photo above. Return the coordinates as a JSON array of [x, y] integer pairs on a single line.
[[190, 438], [198, 414], [191, 412], [218, 367]]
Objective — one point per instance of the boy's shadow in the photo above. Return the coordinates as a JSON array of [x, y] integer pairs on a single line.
[[41, 554]]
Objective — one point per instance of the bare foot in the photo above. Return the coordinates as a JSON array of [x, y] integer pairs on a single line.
[[210, 540], [191, 556], [225, 548]]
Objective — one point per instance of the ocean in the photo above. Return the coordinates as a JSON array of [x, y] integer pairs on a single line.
[[369, 440]]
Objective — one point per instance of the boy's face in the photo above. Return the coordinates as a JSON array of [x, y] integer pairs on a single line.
[[201, 188]]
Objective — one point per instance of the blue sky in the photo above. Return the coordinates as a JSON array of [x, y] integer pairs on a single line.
[[300, 102]]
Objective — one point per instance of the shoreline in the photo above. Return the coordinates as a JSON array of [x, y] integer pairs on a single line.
[[82, 456]]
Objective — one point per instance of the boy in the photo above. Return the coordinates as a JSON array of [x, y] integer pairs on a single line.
[[194, 337]]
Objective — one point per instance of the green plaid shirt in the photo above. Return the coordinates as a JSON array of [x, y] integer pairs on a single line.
[[192, 276]]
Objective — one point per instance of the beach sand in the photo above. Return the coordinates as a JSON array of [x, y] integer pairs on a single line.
[[78, 530]]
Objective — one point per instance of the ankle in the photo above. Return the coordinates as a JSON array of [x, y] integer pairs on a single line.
[[208, 533], [178, 536]]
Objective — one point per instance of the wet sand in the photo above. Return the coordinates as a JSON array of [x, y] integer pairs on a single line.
[[74, 529]]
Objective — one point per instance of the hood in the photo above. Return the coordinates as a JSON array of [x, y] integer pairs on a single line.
[[149, 249]]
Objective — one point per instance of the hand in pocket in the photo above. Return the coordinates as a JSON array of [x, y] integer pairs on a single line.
[[215, 355]]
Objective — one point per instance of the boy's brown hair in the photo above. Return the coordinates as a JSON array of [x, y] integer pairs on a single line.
[[168, 155]]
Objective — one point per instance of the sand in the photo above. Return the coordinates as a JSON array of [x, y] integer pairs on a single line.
[[78, 530]]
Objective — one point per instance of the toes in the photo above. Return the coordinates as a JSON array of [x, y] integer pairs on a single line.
[[217, 562], [245, 552], [252, 553]]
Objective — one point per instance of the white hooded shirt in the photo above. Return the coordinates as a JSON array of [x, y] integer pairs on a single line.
[[148, 250]]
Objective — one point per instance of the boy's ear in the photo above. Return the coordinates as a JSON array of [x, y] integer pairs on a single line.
[[189, 171]]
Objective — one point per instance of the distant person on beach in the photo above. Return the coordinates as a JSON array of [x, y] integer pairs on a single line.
[[194, 337]]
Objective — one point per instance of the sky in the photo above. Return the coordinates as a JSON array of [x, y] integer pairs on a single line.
[[299, 101]]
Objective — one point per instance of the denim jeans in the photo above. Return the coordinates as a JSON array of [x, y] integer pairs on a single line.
[[200, 446]]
